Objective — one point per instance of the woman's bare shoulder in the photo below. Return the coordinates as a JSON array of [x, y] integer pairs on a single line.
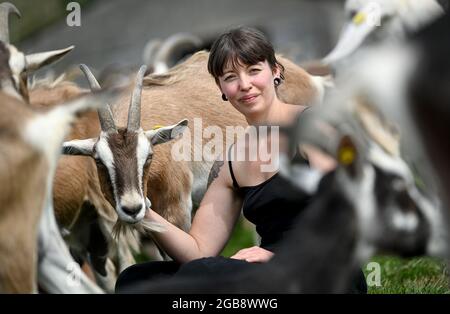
[[293, 111], [297, 108]]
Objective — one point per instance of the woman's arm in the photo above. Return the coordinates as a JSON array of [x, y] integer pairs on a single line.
[[212, 224]]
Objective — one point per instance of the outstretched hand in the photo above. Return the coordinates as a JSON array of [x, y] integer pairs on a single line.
[[254, 254]]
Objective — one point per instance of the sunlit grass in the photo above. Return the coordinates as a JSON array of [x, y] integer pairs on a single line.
[[417, 275]]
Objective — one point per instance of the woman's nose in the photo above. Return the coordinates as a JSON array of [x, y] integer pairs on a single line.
[[245, 82]]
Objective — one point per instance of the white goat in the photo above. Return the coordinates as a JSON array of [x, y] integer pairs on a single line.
[[380, 20]]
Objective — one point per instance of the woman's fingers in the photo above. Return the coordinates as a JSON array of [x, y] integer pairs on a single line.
[[240, 253], [253, 255]]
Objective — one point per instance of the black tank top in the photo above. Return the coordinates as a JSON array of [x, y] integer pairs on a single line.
[[272, 206]]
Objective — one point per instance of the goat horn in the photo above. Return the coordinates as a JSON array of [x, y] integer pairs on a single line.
[[149, 54], [5, 9], [382, 131], [104, 112], [181, 42], [134, 112]]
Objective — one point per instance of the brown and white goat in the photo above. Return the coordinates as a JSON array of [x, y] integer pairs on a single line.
[[31, 247], [13, 76], [14, 67], [80, 205], [81, 210], [186, 91]]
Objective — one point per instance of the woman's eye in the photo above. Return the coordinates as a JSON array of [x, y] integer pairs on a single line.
[[229, 78], [255, 70]]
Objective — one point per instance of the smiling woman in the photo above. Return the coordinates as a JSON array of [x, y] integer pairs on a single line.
[[246, 71]]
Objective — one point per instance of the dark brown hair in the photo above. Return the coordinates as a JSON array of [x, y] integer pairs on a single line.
[[242, 45]]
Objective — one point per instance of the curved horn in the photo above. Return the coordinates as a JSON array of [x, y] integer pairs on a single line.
[[149, 53], [104, 112], [177, 43], [5, 9], [134, 112]]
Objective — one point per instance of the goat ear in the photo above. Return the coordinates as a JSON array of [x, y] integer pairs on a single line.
[[36, 61], [167, 133], [347, 155], [79, 147]]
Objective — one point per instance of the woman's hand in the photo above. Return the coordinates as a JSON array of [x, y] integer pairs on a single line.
[[254, 254]]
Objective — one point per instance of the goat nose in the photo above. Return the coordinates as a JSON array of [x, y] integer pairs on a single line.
[[132, 210]]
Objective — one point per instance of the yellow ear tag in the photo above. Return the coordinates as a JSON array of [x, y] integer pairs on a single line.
[[346, 155], [359, 18], [156, 127]]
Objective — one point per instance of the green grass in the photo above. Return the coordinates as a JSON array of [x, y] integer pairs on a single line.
[[242, 237], [417, 275]]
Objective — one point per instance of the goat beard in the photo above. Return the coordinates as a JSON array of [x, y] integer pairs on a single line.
[[144, 226]]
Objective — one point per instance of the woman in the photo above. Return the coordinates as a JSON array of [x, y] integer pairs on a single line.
[[243, 63]]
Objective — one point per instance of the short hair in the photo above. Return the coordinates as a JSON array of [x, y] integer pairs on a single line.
[[241, 45]]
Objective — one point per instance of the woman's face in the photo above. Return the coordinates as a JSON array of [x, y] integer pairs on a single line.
[[249, 88]]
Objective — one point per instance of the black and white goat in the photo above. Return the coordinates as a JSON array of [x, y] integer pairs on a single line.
[[415, 98]]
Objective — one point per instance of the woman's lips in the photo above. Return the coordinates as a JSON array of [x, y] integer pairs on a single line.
[[248, 98]]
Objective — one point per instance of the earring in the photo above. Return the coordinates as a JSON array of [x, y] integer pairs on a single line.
[[224, 98], [277, 81]]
